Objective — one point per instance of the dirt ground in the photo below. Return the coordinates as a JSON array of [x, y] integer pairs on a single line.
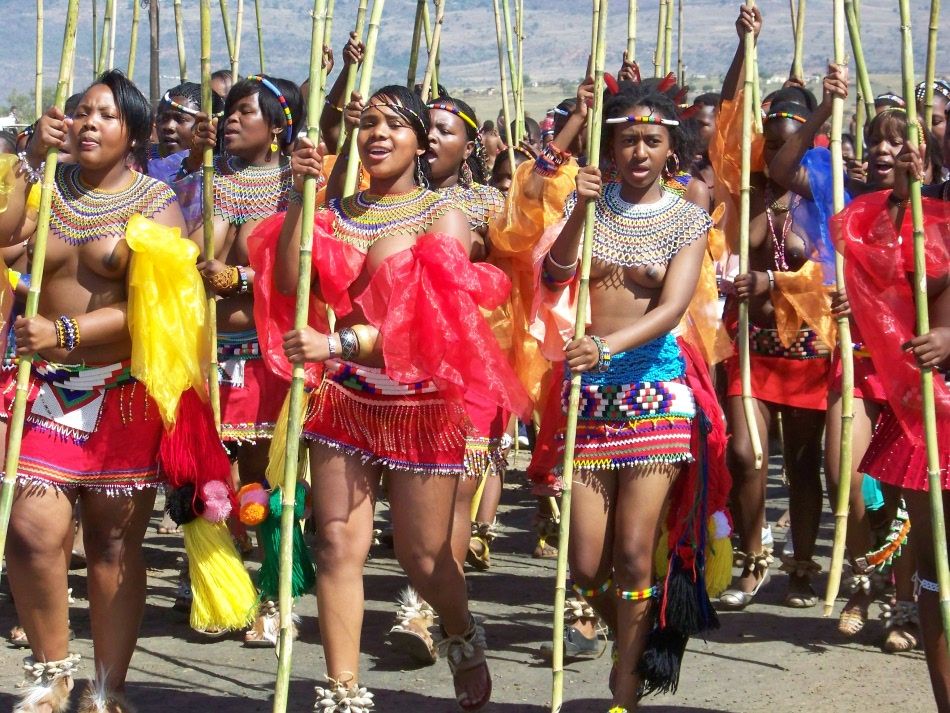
[[768, 658]]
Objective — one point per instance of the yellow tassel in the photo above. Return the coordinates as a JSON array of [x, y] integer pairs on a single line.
[[278, 444], [223, 596], [718, 560]]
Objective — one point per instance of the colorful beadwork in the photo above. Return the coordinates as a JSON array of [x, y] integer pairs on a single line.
[[372, 381], [588, 593], [243, 192], [677, 184], [363, 219], [638, 595], [452, 109], [807, 344], [289, 129], [630, 234], [167, 99], [80, 214], [785, 115], [632, 402], [645, 119], [238, 345], [480, 204]]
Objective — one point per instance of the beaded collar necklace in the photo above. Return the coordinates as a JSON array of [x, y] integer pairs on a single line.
[[81, 214], [243, 192], [632, 234], [479, 203], [362, 219]]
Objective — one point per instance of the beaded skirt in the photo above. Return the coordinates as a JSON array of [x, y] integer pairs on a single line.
[[640, 411], [92, 427], [251, 395], [404, 427]]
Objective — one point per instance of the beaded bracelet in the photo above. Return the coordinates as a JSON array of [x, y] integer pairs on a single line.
[[244, 284], [226, 279], [349, 343], [32, 175], [60, 334], [67, 333], [603, 354]]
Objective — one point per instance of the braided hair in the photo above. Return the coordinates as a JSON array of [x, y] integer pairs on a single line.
[[409, 105]]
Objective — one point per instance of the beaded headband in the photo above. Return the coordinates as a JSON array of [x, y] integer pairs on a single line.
[[941, 87], [400, 109], [289, 130], [167, 99], [647, 119], [890, 97], [561, 112], [452, 109], [786, 115]]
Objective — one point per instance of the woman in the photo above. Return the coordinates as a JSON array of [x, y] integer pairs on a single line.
[[81, 329], [790, 344], [648, 252], [252, 182], [175, 122], [375, 369]]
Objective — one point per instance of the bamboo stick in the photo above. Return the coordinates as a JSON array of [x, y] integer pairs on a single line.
[[354, 68], [518, 133], [923, 326], [154, 80], [260, 33], [845, 348], [238, 31], [660, 51], [742, 339], [228, 37], [366, 79], [95, 38], [756, 92], [207, 213], [180, 37], [595, 115], [519, 35], [427, 27], [414, 46], [668, 39], [798, 71], [104, 39], [632, 31], [427, 86], [134, 38], [295, 424], [791, 11], [38, 262], [931, 66], [112, 28], [505, 104], [680, 65], [857, 49], [38, 85]]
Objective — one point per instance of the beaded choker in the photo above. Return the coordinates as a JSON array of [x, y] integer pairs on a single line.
[[630, 234], [81, 214], [243, 192], [361, 220], [479, 203]]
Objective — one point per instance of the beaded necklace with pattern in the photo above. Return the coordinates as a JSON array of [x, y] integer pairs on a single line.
[[479, 203], [361, 219], [629, 234], [81, 214], [243, 192]]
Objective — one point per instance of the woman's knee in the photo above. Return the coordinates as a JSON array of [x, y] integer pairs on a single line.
[[29, 538], [633, 563], [340, 545]]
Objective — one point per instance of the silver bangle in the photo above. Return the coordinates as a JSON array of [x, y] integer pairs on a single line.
[[771, 276], [559, 266], [349, 343], [330, 346]]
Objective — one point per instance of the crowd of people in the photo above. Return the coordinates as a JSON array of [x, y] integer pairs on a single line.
[[443, 299]]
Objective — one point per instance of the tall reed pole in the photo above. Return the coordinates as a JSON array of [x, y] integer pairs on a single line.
[[38, 84], [285, 640], [668, 39], [427, 28], [260, 33], [154, 80], [503, 75], [207, 213], [180, 37], [112, 27], [680, 65], [798, 71], [95, 38], [660, 52], [923, 327], [595, 115], [38, 262], [519, 36], [414, 46], [103, 56], [238, 31], [845, 348], [632, 31], [366, 83], [134, 38], [749, 106], [353, 70], [931, 66], [860, 66], [229, 38], [513, 73], [427, 87]]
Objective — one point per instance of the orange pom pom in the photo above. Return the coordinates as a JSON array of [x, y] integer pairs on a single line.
[[253, 514]]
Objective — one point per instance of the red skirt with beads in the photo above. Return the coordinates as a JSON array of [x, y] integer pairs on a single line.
[[893, 458], [251, 394]]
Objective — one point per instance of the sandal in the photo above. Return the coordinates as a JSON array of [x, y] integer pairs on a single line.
[[343, 696], [410, 634], [47, 685], [803, 571], [168, 526], [548, 529], [901, 627], [465, 653], [479, 546], [757, 564], [576, 644], [19, 639], [862, 585], [265, 631], [97, 700]]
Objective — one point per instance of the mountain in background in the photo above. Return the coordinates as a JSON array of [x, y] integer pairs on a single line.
[[557, 36]]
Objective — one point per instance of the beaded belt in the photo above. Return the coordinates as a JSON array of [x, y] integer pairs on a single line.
[[627, 402], [239, 345], [80, 378], [370, 380], [860, 350], [807, 345]]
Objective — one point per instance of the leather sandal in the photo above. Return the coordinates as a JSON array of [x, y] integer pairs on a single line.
[[465, 653], [46, 685], [479, 545], [343, 695], [736, 599], [96, 699], [265, 631], [800, 570], [547, 529], [410, 634], [861, 585]]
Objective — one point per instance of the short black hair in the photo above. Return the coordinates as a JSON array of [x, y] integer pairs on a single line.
[[708, 99], [10, 138], [134, 111], [795, 95], [69, 108], [645, 94], [271, 108], [787, 107], [192, 91], [224, 74], [532, 129]]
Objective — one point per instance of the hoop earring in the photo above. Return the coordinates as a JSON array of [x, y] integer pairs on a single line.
[[465, 174], [671, 172]]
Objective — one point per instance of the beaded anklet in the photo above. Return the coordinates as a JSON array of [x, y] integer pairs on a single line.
[[638, 595], [588, 593]]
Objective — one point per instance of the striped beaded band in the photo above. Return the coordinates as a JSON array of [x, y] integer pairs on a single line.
[[452, 109], [588, 593], [289, 131], [647, 119], [639, 595], [785, 115], [167, 99]]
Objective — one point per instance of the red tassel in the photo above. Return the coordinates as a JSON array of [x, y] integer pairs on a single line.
[[668, 82], [689, 112], [191, 453], [612, 86], [681, 96]]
